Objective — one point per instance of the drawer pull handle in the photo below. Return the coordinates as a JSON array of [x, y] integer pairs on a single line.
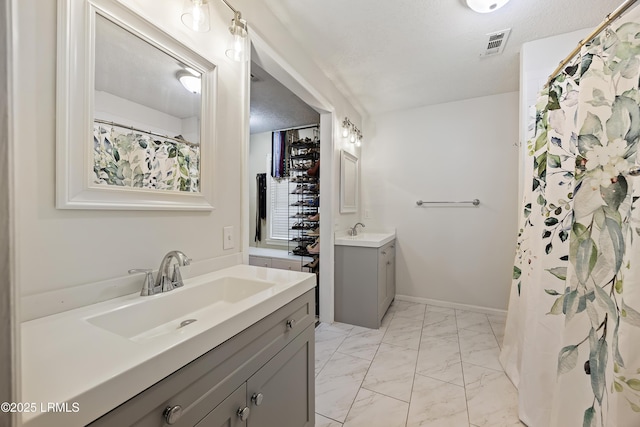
[[257, 398], [243, 413], [291, 323], [172, 414]]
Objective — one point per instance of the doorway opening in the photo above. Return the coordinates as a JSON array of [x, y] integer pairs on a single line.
[[291, 134]]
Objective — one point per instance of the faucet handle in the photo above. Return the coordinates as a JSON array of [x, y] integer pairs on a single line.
[[166, 284], [176, 278], [147, 287]]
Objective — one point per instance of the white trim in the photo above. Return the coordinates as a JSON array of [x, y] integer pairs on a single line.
[[14, 277], [278, 67], [446, 304], [74, 112]]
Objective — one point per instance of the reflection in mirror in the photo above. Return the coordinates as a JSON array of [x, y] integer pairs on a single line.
[[147, 111]]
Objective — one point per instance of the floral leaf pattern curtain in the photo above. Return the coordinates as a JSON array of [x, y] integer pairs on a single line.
[[137, 160], [572, 342]]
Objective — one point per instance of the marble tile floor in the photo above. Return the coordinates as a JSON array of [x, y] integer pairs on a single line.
[[426, 366]]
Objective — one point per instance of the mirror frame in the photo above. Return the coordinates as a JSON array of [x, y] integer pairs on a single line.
[[74, 112], [346, 206]]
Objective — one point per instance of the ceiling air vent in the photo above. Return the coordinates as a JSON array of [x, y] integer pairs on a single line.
[[496, 42]]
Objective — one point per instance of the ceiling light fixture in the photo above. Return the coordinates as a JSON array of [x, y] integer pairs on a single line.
[[486, 6], [195, 15], [190, 80]]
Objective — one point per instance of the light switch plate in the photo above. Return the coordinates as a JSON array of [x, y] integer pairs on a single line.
[[227, 237]]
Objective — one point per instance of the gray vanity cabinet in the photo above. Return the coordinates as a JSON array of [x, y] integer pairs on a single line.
[[262, 377], [365, 283], [226, 413]]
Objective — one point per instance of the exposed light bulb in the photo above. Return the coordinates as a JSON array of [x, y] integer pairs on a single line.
[[238, 47], [352, 138], [195, 15], [358, 143]]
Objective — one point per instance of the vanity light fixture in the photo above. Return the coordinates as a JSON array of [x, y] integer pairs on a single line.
[[190, 80], [346, 127], [195, 15], [351, 132], [486, 6]]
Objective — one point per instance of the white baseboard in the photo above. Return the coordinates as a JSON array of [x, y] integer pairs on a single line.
[[446, 304]]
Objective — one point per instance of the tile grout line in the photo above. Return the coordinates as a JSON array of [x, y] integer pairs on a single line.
[[464, 381], [415, 367], [365, 375]]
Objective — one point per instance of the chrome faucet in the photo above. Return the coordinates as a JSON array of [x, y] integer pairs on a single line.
[[164, 283], [353, 231]]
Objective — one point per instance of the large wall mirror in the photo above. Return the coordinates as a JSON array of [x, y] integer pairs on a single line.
[[134, 113], [348, 182]]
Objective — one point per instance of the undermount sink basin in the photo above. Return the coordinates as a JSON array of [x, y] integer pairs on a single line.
[[366, 239], [174, 311]]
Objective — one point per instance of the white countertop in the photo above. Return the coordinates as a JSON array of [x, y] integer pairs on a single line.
[[277, 253], [67, 359], [365, 239]]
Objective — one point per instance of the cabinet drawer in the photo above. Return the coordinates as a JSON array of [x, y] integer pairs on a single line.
[[285, 264], [204, 383], [259, 261]]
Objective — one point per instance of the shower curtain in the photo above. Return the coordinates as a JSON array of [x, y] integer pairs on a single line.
[[572, 341]]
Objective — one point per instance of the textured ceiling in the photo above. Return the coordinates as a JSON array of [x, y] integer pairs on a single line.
[[397, 54], [274, 107], [131, 68]]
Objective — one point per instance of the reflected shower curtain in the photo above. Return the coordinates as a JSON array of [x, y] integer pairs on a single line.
[[572, 341]]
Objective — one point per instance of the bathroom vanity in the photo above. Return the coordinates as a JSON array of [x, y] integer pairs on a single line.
[[365, 282], [233, 347]]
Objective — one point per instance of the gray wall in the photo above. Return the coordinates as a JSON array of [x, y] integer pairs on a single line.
[[5, 283]]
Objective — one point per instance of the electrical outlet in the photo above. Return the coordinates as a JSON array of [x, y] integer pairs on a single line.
[[227, 237]]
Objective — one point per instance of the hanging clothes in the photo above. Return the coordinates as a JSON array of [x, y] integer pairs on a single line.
[[261, 204], [572, 339], [278, 154]]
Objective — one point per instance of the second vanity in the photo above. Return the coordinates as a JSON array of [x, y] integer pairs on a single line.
[[232, 347], [365, 282]]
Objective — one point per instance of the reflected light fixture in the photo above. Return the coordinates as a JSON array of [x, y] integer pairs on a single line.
[[190, 80], [195, 15], [486, 6]]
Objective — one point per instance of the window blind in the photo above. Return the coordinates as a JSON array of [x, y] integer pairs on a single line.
[[278, 221]]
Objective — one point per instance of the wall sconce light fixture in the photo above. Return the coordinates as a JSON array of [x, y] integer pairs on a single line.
[[350, 131], [195, 15]]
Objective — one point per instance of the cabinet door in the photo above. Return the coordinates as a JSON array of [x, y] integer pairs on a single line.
[[282, 392], [227, 413], [259, 261], [391, 278]]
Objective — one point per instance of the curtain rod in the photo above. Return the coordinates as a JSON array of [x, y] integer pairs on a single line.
[[604, 24], [181, 141]]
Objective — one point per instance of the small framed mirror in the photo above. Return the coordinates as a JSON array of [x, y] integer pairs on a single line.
[[134, 113], [348, 182]]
